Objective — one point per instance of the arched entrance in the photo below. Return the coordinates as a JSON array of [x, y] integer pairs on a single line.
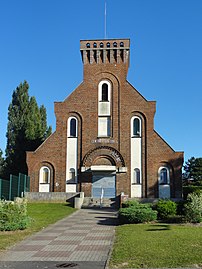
[[103, 163]]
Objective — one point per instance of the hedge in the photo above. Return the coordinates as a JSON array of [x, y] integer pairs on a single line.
[[134, 212], [136, 215]]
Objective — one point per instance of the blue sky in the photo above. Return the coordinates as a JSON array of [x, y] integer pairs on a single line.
[[40, 44]]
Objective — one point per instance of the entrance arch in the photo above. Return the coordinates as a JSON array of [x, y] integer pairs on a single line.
[[103, 162], [113, 155]]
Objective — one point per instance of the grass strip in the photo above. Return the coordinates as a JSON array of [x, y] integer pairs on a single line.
[[157, 246]]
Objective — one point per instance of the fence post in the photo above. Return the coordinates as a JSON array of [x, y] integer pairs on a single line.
[[19, 177], [28, 184], [25, 183], [0, 188], [10, 189]]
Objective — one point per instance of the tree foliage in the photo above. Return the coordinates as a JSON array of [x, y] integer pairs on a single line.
[[193, 169], [1, 163], [193, 208], [26, 130]]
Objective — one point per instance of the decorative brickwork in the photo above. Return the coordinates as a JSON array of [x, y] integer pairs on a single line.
[[104, 151]]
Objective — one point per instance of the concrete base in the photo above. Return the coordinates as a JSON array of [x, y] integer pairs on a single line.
[[75, 199], [50, 196], [78, 201]]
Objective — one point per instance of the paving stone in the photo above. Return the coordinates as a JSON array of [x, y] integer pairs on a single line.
[[44, 237], [28, 248], [60, 242], [52, 254], [18, 256], [67, 237], [77, 232], [38, 242], [96, 242], [66, 247]]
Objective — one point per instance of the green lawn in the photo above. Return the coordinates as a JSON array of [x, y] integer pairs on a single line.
[[157, 245], [41, 214]]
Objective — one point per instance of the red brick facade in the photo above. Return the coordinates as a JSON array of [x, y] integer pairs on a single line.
[[109, 62]]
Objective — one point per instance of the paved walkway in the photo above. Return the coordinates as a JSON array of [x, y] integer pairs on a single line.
[[82, 240]]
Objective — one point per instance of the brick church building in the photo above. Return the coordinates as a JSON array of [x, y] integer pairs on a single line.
[[105, 142]]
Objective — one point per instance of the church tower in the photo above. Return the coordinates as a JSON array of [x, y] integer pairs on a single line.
[[105, 143]]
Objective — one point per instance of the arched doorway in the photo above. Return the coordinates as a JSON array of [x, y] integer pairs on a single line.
[[103, 163]]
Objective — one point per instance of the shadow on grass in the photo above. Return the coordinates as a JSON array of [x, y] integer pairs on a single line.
[[158, 227], [68, 205]]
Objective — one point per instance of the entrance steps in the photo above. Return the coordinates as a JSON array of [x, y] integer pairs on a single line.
[[90, 202]]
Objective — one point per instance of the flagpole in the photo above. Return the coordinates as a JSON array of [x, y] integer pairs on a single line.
[[105, 19]]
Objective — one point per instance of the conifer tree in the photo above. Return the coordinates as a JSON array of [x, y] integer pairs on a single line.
[[46, 131], [1, 164], [26, 129], [17, 114], [193, 168]]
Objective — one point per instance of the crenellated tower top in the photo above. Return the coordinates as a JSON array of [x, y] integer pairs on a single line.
[[105, 53]]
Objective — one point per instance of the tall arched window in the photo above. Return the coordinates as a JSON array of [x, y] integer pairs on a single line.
[[105, 92], [164, 176], [72, 174], [44, 175], [104, 108], [136, 156], [136, 176], [136, 126], [72, 127], [72, 152]]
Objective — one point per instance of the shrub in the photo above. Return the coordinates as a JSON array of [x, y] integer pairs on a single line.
[[135, 203], [166, 208], [193, 208], [130, 203], [138, 214], [13, 215]]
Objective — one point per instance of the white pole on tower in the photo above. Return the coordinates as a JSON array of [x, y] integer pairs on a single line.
[[105, 19]]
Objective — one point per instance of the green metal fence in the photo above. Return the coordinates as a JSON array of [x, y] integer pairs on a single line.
[[16, 186]]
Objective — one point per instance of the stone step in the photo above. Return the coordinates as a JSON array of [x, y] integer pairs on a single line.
[[97, 202]]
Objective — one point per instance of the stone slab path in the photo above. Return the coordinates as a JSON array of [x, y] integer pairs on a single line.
[[82, 240]]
